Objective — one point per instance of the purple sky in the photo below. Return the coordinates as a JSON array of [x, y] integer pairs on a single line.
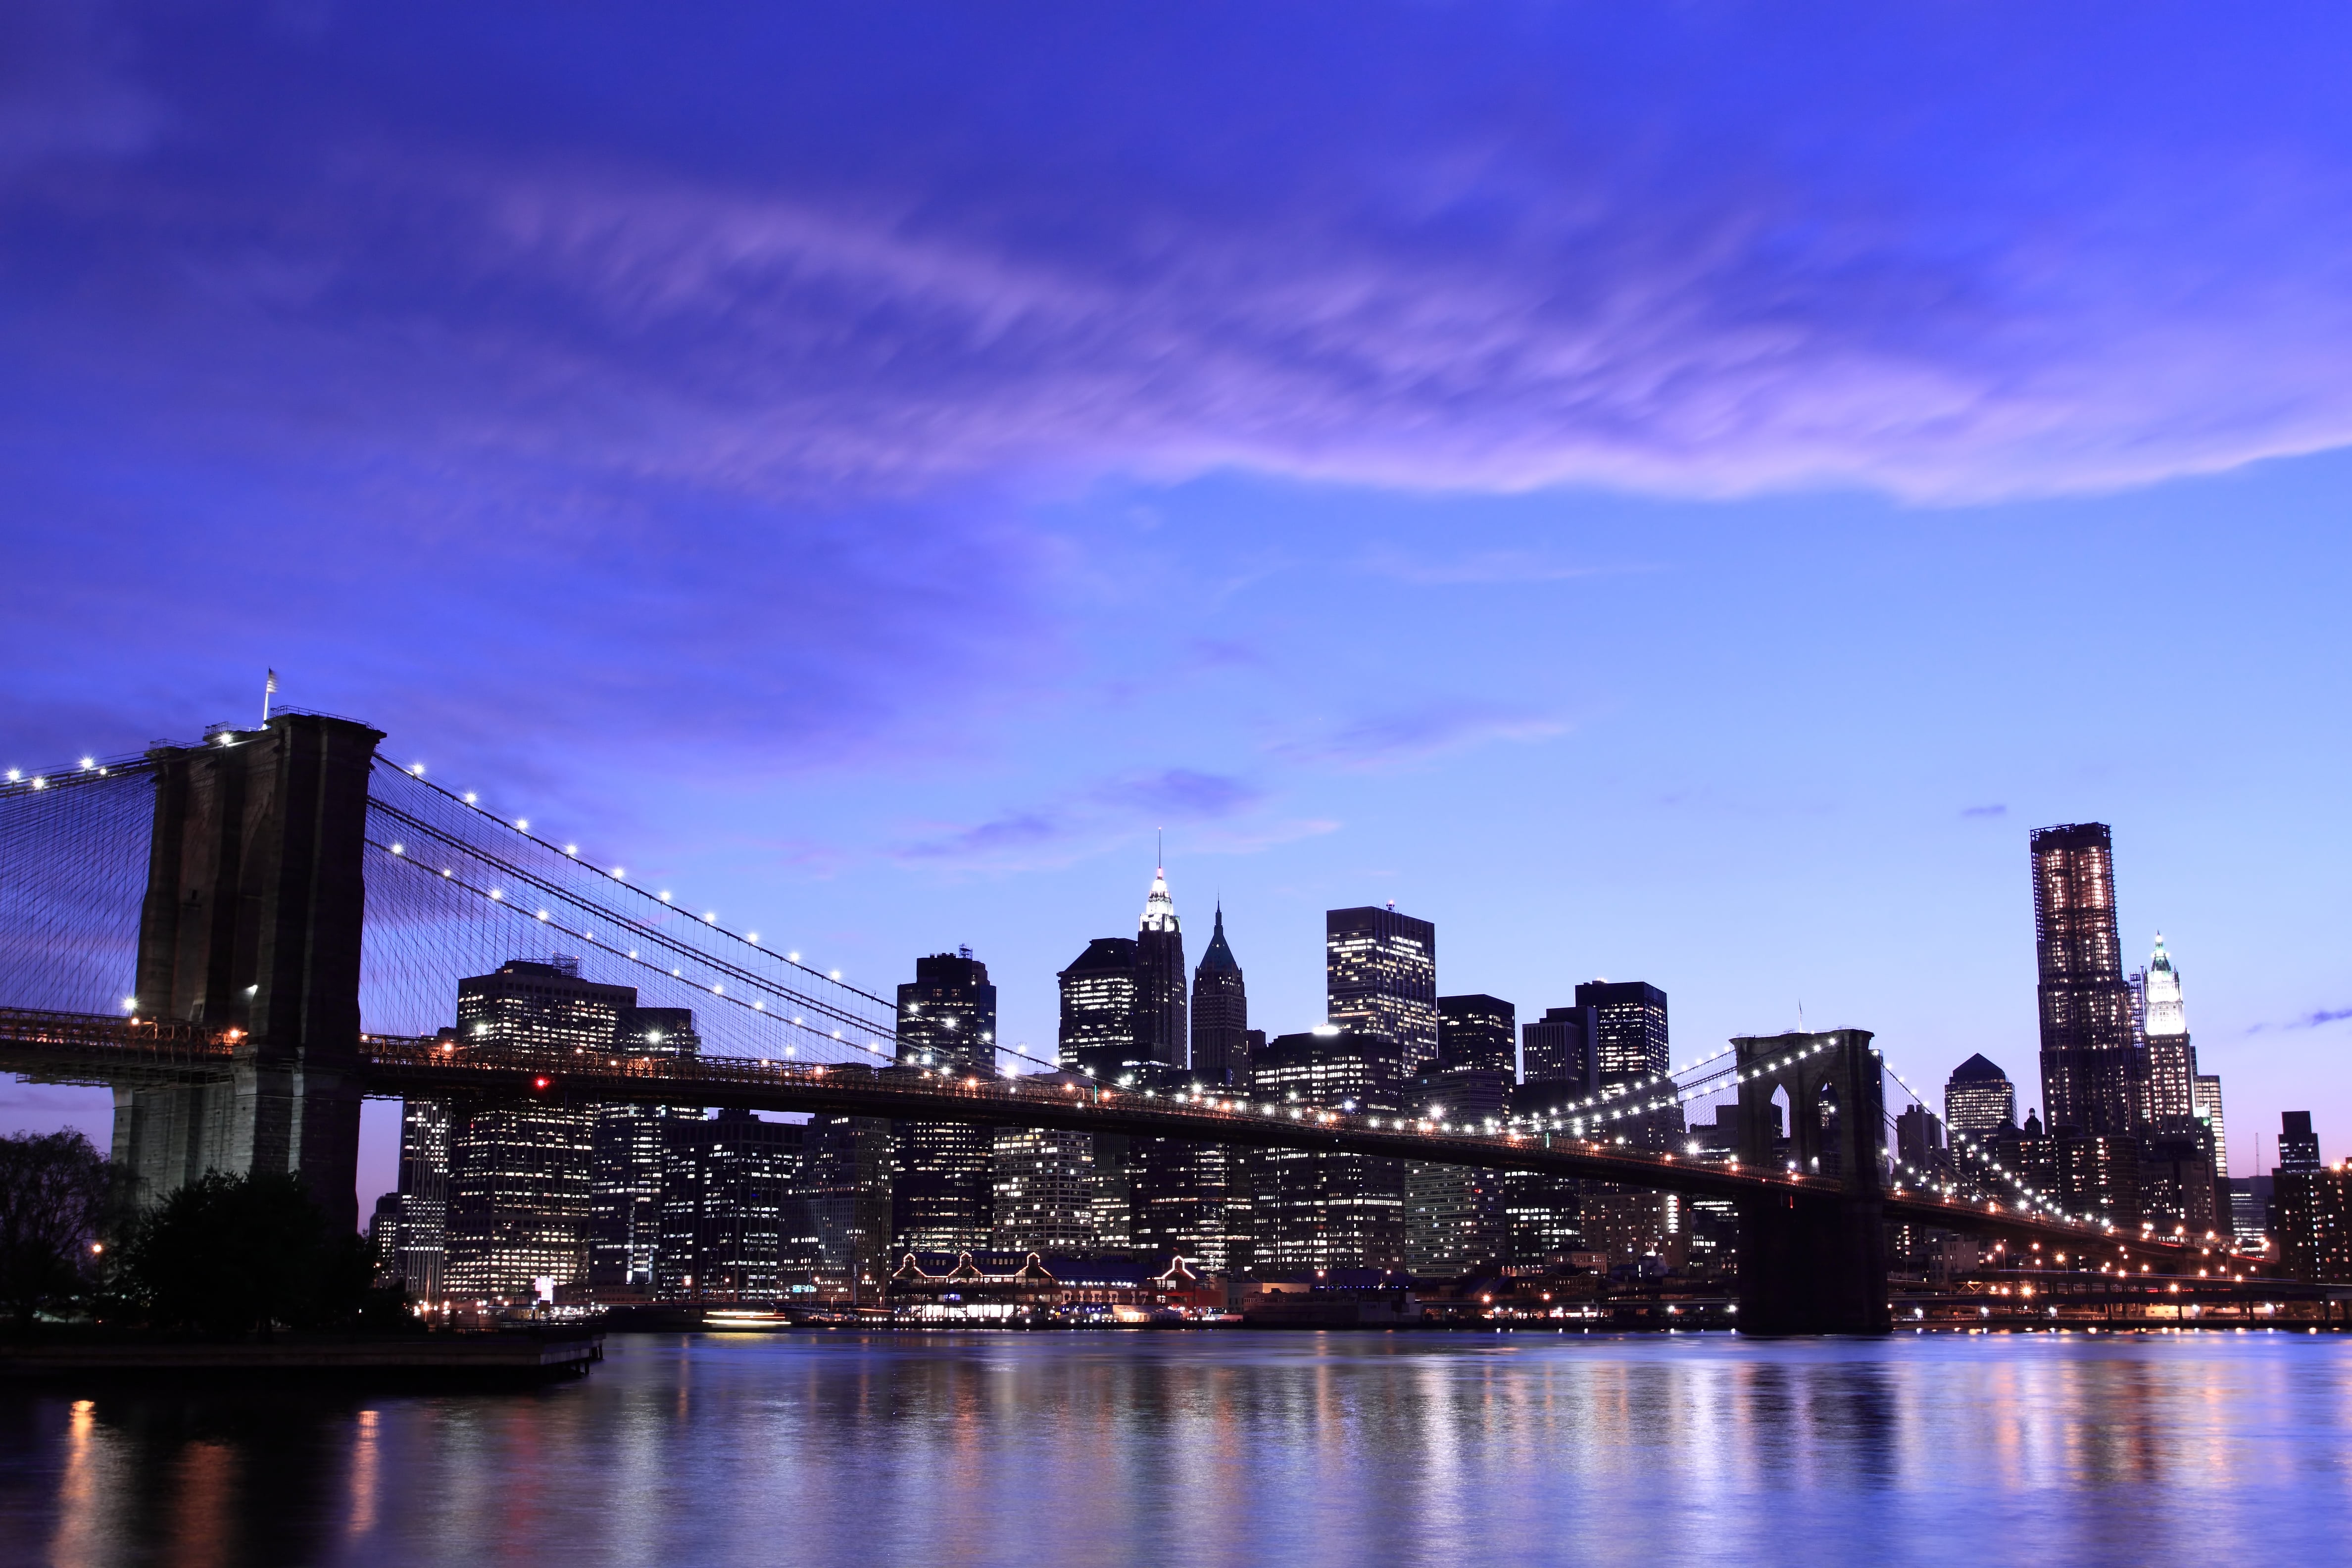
[[1673, 493]]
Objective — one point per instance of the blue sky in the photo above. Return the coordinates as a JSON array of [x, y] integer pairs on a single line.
[[1674, 492]]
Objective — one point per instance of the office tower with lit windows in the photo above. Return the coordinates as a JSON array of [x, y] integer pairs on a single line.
[[1456, 1218], [1558, 1050], [1162, 1031], [2206, 1092], [520, 1175], [627, 1161], [2299, 1145], [1478, 1031], [1043, 1199], [2311, 1207], [1627, 1021], [839, 1204], [1312, 1209], [421, 1202], [941, 1184], [723, 1205], [2171, 1058], [2094, 1073], [1978, 1099], [1097, 1014], [1221, 1028], [1380, 971]]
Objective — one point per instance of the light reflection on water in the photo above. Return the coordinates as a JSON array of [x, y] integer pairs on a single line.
[[1230, 1448]]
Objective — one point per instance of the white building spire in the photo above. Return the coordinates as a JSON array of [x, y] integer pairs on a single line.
[[2165, 1013], [1159, 907]]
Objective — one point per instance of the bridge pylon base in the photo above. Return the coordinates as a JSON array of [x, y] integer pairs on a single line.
[[1811, 1266]]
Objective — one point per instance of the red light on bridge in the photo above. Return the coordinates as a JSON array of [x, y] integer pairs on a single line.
[[540, 1082]]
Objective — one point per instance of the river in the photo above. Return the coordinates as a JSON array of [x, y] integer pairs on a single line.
[[1234, 1447]]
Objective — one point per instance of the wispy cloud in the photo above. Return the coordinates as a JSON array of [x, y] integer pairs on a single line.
[[1984, 811], [1477, 567], [1082, 822], [2308, 1021], [1390, 739]]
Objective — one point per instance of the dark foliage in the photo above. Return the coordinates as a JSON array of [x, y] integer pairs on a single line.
[[226, 1256], [53, 1192]]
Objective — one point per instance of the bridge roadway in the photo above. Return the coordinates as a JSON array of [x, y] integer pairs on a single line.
[[70, 1048]]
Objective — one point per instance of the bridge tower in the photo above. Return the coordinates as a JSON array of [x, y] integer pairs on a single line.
[[1813, 1263], [251, 923]]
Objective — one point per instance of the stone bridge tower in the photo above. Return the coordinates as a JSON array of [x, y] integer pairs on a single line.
[[1813, 1263], [251, 923]]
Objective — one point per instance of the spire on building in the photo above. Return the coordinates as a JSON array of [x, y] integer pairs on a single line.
[[1159, 909], [2164, 1014], [1217, 958]]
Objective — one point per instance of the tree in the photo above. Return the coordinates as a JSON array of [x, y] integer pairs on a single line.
[[228, 1254], [53, 1191]]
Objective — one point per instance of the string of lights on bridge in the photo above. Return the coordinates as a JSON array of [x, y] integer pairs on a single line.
[[618, 876]]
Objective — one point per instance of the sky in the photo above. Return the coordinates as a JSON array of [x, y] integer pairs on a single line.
[[1674, 492]]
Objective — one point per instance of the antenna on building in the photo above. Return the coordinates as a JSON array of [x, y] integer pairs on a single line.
[[1159, 848]]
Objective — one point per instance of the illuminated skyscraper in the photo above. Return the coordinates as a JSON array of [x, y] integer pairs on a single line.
[[1478, 1031], [2171, 1059], [421, 1204], [1978, 1099], [1044, 1191], [1311, 1209], [1381, 981], [1160, 1027], [722, 1209], [628, 1159], [1556, 1049], [2208, 1092], [2089, 1071], [1627, 1020], [519, 1175], [941, 1189], [1098, 1017]]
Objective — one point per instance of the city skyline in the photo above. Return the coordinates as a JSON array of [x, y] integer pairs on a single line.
[[1749, 692]]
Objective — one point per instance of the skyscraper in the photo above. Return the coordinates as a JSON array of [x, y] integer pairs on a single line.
[[629, 1159], [1044, 1200], [1478, 1031], [940, 1186], [2299, 1145], [1558, 1050], [1978, 1099], [1220, 1013], [840, 1201], [421, 1199], [2171, 1059], [519, 1175], [1098, 1017], [1381, 981], [722, 1211], [1627, 1019], [2094, 1075], [1161, 1031], [2088, 1067], [1311, 1209], [2207, 1090]]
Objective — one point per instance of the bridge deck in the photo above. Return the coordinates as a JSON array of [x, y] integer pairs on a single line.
[[74, 1048]]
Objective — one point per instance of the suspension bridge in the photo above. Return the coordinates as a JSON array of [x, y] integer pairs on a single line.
[[245, 937]]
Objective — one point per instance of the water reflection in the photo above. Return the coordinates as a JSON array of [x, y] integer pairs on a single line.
[[1303, 1449]]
